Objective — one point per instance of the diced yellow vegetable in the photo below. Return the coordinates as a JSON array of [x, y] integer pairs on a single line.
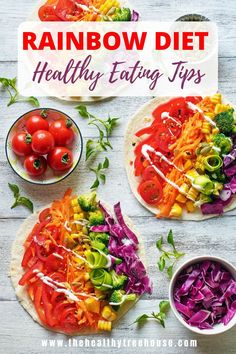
[[104, 325], [78, 216], [221, 108], [74, 202], [93, 305], [216, 98], [99, 294], [184, 188], [208, 138], [192, 173], [108, 313], [86, 276], [215, 130], [190, 206], [181, 198], [193, 194], [176, 211], [206, 128], [188, 164], [210, 115], [77, 209]]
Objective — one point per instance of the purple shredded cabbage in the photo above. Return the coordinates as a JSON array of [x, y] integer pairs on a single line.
[[205, 294], [123, 243], [134, 16], [228, 159]]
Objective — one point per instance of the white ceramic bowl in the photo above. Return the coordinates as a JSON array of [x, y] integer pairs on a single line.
[[218, 328], [50, 176]]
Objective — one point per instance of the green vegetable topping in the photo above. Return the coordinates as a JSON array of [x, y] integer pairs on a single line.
[[99, 236], [212, 163], [96, 260], [88, 202], [118, 281], [170, 257], [203, 184], [223, 142], [118, 297], [10, 86], [19, 200], [101, 279], [160, 317], [96, 218], [123, 14], [225, 122]]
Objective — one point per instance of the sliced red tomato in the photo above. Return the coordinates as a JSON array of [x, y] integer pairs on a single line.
[[47, 13], [166, 107], [163, 139], [151, 191], [149, 173], [143, 131]]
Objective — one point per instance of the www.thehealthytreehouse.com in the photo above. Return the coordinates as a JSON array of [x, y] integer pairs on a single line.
[[119, 343]]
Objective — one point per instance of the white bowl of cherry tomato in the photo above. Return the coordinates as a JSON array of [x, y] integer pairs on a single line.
[[44, 146]]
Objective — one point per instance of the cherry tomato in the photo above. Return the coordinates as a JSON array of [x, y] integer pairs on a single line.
[[151, 191], [35, 165], [60, 159], [62, 132], [42, 142], [21, 144], [36, 122], [149, 173]]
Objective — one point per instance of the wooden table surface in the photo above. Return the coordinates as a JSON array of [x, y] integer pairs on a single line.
[[18, 332]]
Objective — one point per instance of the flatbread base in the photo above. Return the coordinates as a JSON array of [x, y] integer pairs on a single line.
[[141, 119], [16, 271]]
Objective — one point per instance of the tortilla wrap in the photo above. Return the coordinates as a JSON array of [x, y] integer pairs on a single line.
[[16, 270], [141, 119]]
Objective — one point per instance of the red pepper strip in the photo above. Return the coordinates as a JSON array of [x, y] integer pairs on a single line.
[[147, 130], [50, 319], [27, 256], [45, 215], [30, 272], [37, 301]]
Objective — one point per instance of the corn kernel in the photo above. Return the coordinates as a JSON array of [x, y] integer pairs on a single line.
[[206, 128], [221, 108], [104, 325], [108, 313], [181, 198], [210, 114], [216, 98], [209, 138], [74, 202], [176, 211], [190, 206], [77, 209], [215, 131], [86, 276]]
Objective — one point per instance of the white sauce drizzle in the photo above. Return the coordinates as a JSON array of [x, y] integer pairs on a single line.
[[196, 108], [216, 148], [165, 115], [145, 150], [57, 255], [67, 227]]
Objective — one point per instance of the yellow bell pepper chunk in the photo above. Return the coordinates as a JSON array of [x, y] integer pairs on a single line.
[[93, 305], [176, 211], [181, 198], [74, 202], [190, 206]]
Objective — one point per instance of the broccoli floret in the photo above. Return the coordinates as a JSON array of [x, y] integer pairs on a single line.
[[223, 142], [219, 176], [100, 236], [117, 280], [123, 14], [88, 202], [96, 218], [118, 297], [225, 122]]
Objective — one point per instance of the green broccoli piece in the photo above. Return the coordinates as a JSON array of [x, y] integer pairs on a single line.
[[96, 218], [219, 176], [88, 202], [100, 236], [118, 297], [118, 281], [223, 142], [123, 14], [225, 122]]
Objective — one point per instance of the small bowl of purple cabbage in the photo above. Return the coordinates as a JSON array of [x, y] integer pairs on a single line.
[[203, 295]]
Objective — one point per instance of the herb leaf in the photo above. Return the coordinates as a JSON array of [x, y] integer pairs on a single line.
[[99, 173], [168, 258], [10, 86], [141, 319], [82, 110], [160, 317], [20, 200]]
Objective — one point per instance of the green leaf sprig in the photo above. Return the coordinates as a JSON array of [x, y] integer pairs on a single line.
[[160, 317], [10, 86], [104, 127], [168, 259], [99, 173], [19, 200]]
